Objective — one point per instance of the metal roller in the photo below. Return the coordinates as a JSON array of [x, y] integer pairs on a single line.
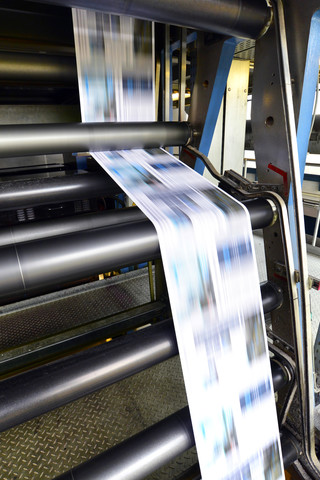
[[152, 448], [261, 213], [239, 18], [40, 266], [42, 389], [54, 227], [35, 68], [44, 265], [141, 454], [45, 191], [20, 140]]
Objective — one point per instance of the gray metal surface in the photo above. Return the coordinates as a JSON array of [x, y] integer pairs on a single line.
[[244, 19], [89, 137], [30, 320], [52, 444]]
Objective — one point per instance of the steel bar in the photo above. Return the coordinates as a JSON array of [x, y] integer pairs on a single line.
[[151, 449], [45, 191], [39, 266], [20, 140], [246, 18], [47, 387]]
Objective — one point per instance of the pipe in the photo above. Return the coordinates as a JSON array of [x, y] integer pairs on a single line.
[[238, 18], [47, 387], [43, 265], [36, 68], [20, 140], [45, 191], [260, 212], [151, 449]]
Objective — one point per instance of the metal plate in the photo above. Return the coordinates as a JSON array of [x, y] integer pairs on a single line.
[[55, 442]]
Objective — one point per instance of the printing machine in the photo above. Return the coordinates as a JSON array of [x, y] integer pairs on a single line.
[[64, 334]]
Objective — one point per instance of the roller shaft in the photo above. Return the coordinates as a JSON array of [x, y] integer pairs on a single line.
[[19, 140]]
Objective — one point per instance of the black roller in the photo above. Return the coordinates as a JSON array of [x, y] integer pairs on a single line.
[[77, 186], [141, 454], [272, 296], [32, 268], [145, 452], [43, 265], [280, 376], [245, 18], [291, 450], [44, 191], [261, 212], [54, 227], [20, 140], [37, 69], [47, 387]]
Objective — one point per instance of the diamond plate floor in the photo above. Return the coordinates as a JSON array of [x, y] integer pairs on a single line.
[[57, 441], [46, 315]]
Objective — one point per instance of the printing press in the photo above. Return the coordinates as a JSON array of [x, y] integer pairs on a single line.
[[90, 380]]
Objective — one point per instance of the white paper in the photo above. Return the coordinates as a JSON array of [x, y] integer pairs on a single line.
[[206, 246]]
